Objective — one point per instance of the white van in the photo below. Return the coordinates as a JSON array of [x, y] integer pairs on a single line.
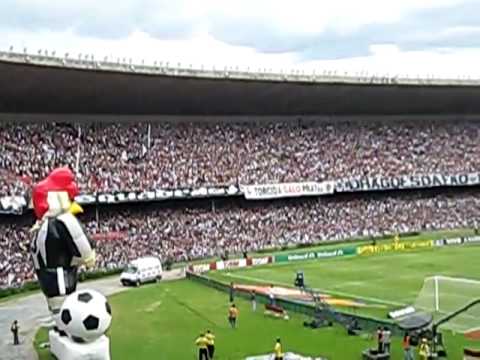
[[142, 270]]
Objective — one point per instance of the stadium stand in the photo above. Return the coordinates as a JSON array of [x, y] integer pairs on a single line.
[[127, 128], [162, 155], [192, 230]]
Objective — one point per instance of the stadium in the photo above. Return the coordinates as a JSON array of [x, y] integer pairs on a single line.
[[338, 204]]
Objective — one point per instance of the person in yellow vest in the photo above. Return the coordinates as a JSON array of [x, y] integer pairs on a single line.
[[424, 351], [397, 244], [277, 350], [202, 343], [210, 344], [232, 316]]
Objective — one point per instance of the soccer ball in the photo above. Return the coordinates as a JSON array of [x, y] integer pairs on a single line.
[[85, 315]]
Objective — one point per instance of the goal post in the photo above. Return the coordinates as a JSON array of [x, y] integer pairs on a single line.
[[437, 298], [442, 295]]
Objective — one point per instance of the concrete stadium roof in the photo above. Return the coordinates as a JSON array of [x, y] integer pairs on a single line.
[[49, 85]]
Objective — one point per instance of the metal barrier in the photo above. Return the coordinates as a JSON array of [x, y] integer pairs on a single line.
[[368, 324]]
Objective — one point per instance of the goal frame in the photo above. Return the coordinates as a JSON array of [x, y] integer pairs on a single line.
[[436, 281]]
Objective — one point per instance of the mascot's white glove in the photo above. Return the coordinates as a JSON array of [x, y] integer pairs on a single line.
[[89, 262]]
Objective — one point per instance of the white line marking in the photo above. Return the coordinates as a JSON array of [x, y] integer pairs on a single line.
[[455, 279], [475, 329]]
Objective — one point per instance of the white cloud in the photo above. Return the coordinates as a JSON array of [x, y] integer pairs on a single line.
[[202, 49], [314, 16], [198, 43], [386, 59]]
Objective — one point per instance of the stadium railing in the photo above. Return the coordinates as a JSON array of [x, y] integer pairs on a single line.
[[366, 323]]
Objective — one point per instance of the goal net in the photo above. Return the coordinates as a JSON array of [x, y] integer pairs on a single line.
[[442, 295]]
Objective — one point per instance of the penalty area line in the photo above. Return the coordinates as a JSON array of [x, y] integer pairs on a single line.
[[330, 292]]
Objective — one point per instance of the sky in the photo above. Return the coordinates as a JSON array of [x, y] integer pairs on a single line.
[[425, 38]]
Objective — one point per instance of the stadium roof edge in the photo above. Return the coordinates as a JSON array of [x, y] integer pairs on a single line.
[[327, 77], [48, 85]]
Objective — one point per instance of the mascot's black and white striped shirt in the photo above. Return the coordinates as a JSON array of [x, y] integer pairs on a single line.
[[57, 249]]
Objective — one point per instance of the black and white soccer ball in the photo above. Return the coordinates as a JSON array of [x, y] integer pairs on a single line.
[[85, 315]]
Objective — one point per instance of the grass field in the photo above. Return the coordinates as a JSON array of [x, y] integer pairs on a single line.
[[162, 321], [392, 279]]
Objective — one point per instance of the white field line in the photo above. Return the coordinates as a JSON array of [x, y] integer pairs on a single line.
[[339, 293], [454, 279], [458, 327], [472, 329]]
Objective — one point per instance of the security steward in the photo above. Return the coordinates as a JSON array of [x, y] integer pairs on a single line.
[[277, 350], [201, 343], [210, 344], [424, 350], [232, 316]]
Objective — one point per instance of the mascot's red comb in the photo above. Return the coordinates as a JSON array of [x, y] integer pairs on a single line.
[[59, 180]]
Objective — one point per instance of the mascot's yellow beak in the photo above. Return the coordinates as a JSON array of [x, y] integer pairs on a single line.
[[75, 209]]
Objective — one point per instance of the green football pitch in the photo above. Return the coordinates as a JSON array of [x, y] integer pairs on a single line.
[[162, 321], [389, 280]]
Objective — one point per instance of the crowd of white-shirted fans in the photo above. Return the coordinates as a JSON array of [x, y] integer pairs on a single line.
[[134, 157], [159, 155]]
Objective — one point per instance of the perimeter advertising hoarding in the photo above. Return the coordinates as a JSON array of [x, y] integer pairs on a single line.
[[395, 246], [317, 254]]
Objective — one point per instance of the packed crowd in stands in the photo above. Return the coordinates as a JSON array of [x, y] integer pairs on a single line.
[[162, 155], [188, 232]]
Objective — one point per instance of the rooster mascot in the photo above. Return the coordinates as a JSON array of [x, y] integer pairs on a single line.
[[60, 243]]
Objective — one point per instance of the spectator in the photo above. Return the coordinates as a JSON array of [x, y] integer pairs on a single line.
[[112, 157], [192, 231]]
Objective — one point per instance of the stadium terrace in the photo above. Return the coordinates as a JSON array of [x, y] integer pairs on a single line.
[[213, 171]]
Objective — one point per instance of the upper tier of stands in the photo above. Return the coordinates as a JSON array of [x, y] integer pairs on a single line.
[[164, 155], [138, 156]]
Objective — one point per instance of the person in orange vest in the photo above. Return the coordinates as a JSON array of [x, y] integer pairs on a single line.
[[232, 316], [407, 348]]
